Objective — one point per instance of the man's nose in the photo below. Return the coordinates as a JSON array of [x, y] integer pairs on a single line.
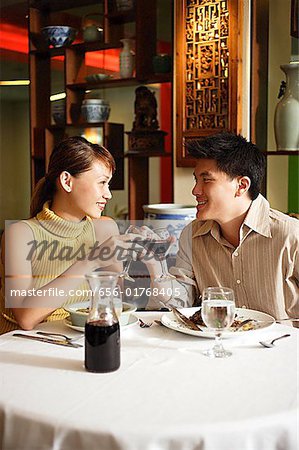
[[197, 189]]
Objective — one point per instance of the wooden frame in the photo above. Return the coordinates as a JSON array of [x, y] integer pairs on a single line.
[[215, 72]]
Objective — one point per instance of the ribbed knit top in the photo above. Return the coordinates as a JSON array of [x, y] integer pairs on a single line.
[[58, 244]]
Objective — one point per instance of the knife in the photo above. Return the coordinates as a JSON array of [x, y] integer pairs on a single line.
[[48, 340], [184, 319]]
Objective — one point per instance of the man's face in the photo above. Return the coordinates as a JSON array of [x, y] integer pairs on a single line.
[[215, 192]]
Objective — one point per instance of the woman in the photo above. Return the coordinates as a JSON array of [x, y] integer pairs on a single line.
[[48, 254]]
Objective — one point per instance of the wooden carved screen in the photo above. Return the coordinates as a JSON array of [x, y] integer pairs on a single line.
[[206, 68]]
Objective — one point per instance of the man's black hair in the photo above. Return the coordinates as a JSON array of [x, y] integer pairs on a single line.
[[234, 155]]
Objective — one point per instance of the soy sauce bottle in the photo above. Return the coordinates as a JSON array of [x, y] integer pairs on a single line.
[[102, 331]]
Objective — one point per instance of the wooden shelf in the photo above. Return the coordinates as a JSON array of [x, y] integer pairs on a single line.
[[147, 154], [121, 82], [79, 125], [60, 5], [282, 152], [80, 47]]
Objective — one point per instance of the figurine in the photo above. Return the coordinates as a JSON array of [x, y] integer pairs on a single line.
[[145, 110]]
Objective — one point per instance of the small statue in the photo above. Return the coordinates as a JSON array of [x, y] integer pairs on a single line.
[[145, 110]]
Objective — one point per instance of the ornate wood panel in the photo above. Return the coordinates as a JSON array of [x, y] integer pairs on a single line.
[[207, 42]]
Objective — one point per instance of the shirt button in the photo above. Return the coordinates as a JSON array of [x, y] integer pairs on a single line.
[[238, 281], [236, 254]]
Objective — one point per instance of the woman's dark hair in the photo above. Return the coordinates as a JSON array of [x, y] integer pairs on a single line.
[[234, 155], [74, 155]]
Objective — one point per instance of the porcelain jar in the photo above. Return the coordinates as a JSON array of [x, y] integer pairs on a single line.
[[286, 119], [95, 110], [173, 216], [126, 59]]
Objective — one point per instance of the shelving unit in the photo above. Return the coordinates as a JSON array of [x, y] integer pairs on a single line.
[[44, 135]]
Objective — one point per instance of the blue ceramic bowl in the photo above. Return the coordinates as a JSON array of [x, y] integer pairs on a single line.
[[59, 35]]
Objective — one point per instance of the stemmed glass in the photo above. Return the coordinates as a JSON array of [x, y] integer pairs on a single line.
[[218, 312], [125, 273], [160, 248]]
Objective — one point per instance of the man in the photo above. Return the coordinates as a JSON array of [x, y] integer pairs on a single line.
[[237, 240]]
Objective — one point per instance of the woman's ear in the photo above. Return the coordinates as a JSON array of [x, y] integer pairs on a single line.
[[244, 184], [65, 179]]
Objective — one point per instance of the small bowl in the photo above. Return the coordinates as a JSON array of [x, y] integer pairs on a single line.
[[78, 318], [97, 77], [59, 35]]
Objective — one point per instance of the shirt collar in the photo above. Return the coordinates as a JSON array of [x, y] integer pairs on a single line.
[[257, 219]]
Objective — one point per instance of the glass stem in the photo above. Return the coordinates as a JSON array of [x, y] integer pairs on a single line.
[[218, 341]]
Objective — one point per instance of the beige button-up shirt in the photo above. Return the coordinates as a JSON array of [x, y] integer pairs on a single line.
[[263, 270]]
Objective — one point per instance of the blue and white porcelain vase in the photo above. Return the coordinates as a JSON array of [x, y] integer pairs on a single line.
[[286, 119], [126, 59]]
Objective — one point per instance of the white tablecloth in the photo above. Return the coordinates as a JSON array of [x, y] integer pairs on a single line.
[[166, 395]]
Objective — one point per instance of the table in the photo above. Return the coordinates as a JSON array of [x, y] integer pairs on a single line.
[[165, 396]]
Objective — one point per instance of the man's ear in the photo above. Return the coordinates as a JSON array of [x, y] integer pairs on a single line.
[[243, 185], [65, 179]]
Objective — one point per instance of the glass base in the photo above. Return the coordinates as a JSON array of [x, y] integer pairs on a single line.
[[217, 352], [126, 276], [164, 277]]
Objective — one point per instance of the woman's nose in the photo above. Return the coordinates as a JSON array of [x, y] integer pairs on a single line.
[[107, 194]]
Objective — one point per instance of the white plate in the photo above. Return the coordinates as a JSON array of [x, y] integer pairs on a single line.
[[132, 321], [263, 321]]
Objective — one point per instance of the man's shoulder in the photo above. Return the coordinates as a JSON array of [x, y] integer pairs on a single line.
[[281, 221], [196, 228]]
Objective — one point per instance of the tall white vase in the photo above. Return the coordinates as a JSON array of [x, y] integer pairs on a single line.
[[286, 119], [126, 59]]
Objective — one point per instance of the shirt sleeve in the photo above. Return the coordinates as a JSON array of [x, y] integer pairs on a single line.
[[292, 282]]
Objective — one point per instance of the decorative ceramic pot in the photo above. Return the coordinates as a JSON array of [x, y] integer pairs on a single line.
[[92, 28], [126, 59], [92, 33], [162, 63], [286, 119], [95, 110], [58, 113], [170, 215], [59, 36]]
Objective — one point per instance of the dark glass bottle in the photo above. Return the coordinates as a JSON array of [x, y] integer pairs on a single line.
[[102, 331]]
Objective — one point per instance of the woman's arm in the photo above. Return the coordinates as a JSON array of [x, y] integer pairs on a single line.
[[31, 309]]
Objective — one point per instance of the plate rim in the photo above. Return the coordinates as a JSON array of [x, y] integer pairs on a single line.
[[133, 320], [209, 334]]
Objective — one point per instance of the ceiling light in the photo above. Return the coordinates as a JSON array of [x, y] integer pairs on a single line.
[[15, 83], [59, 96]]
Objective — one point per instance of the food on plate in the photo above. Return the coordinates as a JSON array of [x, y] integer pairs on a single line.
[[239, 323]]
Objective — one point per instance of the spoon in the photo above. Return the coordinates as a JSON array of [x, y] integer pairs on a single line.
[[271, 343]]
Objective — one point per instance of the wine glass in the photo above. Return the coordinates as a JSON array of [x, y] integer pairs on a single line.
[[160, 248], [125, 273], [218, 312]]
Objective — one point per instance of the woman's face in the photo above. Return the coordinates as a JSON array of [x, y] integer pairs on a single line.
[[89, 191]]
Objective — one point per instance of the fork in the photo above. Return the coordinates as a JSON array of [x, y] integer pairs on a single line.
[[145, 324], [67, 338], [271, 343]]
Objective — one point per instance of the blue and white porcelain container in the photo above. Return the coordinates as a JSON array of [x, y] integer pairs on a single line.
[[59, 35], [173, 216], [95, 110]]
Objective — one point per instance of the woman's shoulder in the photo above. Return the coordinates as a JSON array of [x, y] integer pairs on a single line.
[[105, 227], [22, 228]]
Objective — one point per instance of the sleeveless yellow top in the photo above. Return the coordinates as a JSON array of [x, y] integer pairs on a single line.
[[59, 243]]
